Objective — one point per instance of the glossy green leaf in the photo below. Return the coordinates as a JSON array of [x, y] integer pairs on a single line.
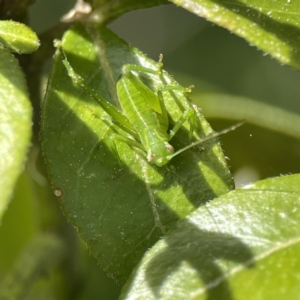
[[271, 25], [119, 203], [17, 37], [243, 245], [15, 125]]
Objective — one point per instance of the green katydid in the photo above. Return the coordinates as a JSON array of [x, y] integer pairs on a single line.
[[144, 116]]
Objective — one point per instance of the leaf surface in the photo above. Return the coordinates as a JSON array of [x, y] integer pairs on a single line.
[[243, 245], [18, 37], [15, 125], [120, 204]]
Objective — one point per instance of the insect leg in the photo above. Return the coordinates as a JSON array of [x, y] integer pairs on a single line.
[[138, 69], [128, 141], [116, 136], [207, 138], [188, 114]]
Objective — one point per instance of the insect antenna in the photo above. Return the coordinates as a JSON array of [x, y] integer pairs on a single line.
[[207, 138]]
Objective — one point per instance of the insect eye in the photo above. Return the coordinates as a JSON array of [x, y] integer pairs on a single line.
[[150, 156], [169, 148]]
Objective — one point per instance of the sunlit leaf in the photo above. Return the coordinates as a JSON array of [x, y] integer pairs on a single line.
[[243, 245], [18, 37], [15, 125]]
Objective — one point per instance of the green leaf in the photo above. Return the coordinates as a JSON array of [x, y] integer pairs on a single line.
[[243, 245], [120, 204], [15, 125], [18, 37], [272, 26]]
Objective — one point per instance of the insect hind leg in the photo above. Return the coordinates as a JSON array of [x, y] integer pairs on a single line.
[[186, 115]]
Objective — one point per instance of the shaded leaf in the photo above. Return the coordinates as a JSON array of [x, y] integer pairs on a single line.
[[119, 203], [18, 37], [243, 245], [15, 125], [273, 26]]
